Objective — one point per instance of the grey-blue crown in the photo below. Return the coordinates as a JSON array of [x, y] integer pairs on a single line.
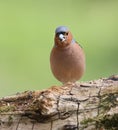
[[61, 29]]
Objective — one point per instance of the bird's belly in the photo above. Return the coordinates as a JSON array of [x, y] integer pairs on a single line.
[[68, 66]]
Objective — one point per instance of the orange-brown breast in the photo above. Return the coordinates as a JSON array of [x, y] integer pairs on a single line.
[[67, 63]]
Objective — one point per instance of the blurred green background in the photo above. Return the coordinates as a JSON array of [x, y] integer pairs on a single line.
[[26, 38]]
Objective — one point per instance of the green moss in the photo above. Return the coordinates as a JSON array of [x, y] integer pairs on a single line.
[[108, 101], [10, 120], [109, 122], [7, 108], [86, 121]]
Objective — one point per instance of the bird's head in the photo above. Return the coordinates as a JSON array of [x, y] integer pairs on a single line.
[[63, 36]]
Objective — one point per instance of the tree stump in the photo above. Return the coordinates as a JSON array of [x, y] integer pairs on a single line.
[[89, 105]]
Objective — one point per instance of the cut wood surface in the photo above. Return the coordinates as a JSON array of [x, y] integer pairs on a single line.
[[91, 105]]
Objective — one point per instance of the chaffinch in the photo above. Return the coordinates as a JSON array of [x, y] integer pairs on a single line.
[[67, 59]]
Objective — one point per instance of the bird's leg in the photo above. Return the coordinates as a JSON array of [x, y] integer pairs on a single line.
[[71, 83]]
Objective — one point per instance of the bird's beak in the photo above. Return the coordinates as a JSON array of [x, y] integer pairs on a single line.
[[62, 37]]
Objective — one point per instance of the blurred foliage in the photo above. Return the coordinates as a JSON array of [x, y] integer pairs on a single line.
[[26, 38]]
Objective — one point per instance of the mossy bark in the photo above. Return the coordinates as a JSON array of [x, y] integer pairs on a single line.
[[89, 105]]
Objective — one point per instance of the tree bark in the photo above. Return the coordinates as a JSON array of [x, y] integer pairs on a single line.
[[89, 105]]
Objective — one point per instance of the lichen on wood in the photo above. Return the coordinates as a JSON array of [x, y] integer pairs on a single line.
[[89, 105]]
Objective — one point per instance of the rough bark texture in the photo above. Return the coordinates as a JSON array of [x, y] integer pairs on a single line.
[[89, 105]]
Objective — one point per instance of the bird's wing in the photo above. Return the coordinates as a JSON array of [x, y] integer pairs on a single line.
[[79, 44]]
